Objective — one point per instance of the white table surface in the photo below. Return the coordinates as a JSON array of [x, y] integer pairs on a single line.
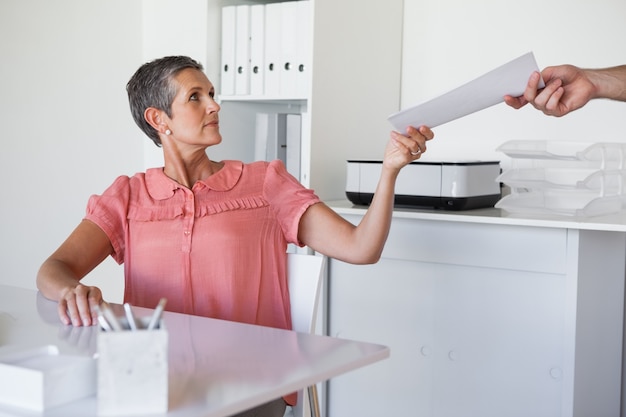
[[216, 368], [612, 222]]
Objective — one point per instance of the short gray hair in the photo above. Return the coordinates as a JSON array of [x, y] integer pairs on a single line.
[[151, 86]]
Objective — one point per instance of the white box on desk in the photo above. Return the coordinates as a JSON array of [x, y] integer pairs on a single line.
[[41, 378], [133, 371]]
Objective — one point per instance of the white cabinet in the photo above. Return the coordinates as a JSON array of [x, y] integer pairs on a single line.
[[483, 320], [353, 84]]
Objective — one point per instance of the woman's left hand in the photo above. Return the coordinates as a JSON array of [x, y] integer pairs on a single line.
[[403, 149]]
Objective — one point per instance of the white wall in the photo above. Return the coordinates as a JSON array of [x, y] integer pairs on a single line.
[[449, 42], [66, 127], [67, 131]]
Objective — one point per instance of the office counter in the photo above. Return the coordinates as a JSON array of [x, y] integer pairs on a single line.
[[216, 368], [612, 222], [487, 315]]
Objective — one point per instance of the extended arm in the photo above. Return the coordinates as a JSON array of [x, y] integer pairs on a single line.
[[326, 232], [59, 276]]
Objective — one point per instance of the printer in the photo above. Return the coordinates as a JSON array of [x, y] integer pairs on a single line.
[[442, 185]]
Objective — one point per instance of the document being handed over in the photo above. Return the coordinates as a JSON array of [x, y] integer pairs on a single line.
[[485, 91]]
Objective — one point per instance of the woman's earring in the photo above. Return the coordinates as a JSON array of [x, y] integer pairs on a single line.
[[168, 132]]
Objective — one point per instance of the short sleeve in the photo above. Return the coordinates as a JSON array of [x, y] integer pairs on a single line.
[[288, 199], [109, 212]]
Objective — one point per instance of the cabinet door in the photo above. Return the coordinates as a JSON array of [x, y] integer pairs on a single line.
[[464, 340], [390, 304], [473, 314], [498, 342]]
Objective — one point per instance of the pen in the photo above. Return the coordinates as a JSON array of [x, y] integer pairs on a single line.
[[130, 317], [103, 322], [156, 316], [110, 317]]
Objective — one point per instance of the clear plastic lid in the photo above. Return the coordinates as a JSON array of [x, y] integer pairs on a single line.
[[562, 203], [606, 181], [602, 152]]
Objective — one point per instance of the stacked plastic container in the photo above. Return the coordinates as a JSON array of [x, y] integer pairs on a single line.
[[574, 179]]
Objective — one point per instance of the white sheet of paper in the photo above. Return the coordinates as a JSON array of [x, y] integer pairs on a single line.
[[485, 91]]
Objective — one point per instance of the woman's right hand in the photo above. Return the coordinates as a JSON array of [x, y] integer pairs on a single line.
[[59, 277], [77, 305], [405, 148]]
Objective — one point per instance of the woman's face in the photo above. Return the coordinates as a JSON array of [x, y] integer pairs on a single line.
[[194, 118]]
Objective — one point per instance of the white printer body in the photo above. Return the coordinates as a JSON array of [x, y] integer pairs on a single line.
[[445, 185]]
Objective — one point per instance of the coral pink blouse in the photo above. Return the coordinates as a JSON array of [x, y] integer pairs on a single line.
[[216, 250]]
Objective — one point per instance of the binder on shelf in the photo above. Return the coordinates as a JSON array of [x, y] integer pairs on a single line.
[[261, 133], [257, 49], [227, 83], [304, 49], [277, 136], [272, 49], [242, 50], [271, 137], [266, 49], [293, 132], [288, 47]]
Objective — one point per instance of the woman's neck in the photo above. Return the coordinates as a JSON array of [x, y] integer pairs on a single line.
[[189, 169]]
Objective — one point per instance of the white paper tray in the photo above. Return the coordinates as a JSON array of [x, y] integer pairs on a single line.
[[561, 202], [40, 378], [609, 182], [564, 150]]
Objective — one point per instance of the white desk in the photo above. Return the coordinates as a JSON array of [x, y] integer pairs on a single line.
[[216, 368]]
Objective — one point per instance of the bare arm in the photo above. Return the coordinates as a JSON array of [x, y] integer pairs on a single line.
[[59, 276], [326, 232], [610, 82]]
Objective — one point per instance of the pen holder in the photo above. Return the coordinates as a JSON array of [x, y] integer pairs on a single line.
[[133, 371]]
